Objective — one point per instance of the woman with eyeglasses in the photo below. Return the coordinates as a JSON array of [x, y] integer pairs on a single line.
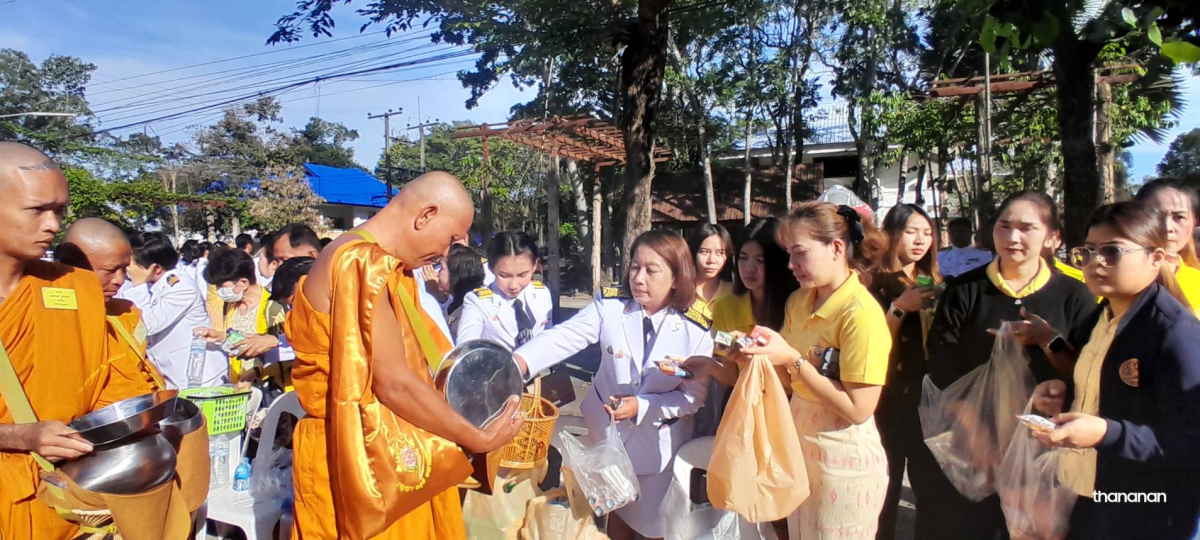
[[1134, 425], [1017, 285], [1178, 203]]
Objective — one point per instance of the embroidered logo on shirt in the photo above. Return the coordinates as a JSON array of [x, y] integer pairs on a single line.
[[1129, 372], [172, 280], [59, 298], [538, 285], [695, 316], [613, 292], [484, 292]]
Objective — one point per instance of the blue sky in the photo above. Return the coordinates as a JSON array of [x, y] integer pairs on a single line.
[[128, 38]]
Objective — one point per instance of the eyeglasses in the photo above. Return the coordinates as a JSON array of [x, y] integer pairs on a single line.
[[1083, 257]]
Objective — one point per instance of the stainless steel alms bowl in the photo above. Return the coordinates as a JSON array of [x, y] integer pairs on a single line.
[[136, 465], [478, 377], [125, 418], [185, 419]]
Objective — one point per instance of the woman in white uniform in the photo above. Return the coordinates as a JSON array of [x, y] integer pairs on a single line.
[[649, 319], [515, 307]]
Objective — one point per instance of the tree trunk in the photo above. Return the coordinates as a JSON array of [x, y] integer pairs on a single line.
[[701, 130], [609, 255], [982, 199], [485, 211], [553, 230], [643, 65], [581, 202], [787, 180], [1105, 153], [1075, 76], [747, 193], [209, 231], [596, 236], [710, 200], [902, 177], [235, 226]]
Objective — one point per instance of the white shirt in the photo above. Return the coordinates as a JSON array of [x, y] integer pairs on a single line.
[[956, 261], [487, 314], [665, 403], [171, 308], [263, 281]]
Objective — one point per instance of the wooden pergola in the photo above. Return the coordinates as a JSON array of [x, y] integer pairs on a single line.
[[581, 138], [1026, 81]]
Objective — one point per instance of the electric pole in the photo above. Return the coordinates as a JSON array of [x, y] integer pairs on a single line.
[[387, 145], [421, 134]]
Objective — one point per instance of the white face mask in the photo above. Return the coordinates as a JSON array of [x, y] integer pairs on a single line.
[[227, 294]]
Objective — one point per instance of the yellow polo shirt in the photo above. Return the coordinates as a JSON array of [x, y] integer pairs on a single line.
[[704, 305], [733, 312], [1188, 278], [850, 321], [1039, 280]]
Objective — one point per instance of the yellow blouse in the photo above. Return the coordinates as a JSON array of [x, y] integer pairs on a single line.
[[1079, 466], [705, 305], [850, 321], [1040, 280], [733, 312], [1188, 278]]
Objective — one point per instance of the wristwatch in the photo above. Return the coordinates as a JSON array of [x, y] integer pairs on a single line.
[[896, 312], [1058, 345]]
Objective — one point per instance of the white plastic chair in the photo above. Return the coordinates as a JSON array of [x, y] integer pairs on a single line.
[[257, 519], [694, 454]]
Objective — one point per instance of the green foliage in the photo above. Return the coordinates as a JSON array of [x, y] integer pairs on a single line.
[[56, 85], [284, 196], [1182, 159]]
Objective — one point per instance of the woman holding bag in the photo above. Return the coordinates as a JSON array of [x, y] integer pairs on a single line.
[[1132, 427], [835, 345], [648, 320]]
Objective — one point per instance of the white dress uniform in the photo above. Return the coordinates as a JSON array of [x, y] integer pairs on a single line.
[[487, 314], [665, 403], [171, 308]]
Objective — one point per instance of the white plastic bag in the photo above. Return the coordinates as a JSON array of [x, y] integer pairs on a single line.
[[1037, 505], [495, 516], [968, 425], [684, 521], [603, 473], [273, 481]]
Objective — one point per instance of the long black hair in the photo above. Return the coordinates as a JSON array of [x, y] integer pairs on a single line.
[[778, 282], [512, 244], [466, 273], [894, 225], [698, 235]]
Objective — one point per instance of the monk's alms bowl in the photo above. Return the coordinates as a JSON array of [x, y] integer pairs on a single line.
[[125, 418], [478, 377], [134, 465]]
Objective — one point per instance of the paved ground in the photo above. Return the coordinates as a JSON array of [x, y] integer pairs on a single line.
[[571, 379]]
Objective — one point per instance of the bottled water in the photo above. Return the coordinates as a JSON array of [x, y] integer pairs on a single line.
[[241, 477], [195, 365], [218, 455]]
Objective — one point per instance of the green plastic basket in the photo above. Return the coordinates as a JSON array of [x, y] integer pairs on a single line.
[[223, 407]]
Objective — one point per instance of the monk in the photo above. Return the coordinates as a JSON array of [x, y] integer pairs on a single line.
[[380, 452], [97, 245], [52, 325]]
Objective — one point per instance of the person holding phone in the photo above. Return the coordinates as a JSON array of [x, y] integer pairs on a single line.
[[1134, 425], [835, 344], [906, 284]]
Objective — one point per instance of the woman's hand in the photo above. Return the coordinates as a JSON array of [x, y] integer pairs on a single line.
[[210, 335], [699, 366], [1048, 397], [256, 345], [776, 350], [622, 407], [1076, 430], [915, 299], [1033, 330]]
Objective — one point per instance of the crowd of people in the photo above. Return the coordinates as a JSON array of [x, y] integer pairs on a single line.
[[857, 319]]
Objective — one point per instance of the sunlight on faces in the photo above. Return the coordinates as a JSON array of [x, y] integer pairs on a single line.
[[513, 273], [267, 267], [710, 258], [238, 287], [1019, 234], [31, 211], [650, 279], [111, 264], [813, 263], [434, 230], [752, 266], [1133, 272], [283, 250], [915, 240], [1180, 221]]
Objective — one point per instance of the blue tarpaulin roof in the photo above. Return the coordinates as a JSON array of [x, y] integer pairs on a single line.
[[346, 186]]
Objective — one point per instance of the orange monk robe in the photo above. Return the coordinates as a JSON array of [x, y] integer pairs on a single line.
[[318, 501], [53, 327], [130, 372]]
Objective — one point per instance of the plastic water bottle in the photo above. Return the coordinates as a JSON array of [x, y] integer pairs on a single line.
[[195, 365], [218, 455], [241, 477]]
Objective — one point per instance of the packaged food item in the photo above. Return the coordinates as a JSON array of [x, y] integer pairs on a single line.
[[232, 338], [760, 336], [670, 366], [1037, 423], [924, 281]]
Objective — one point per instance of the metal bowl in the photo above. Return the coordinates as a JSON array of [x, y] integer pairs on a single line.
[[185, 419], [125, 418], [478, 377], [137, 465]]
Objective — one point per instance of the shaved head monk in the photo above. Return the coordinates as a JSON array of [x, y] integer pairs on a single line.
[[53, 330], [97, 245], [378, 455]]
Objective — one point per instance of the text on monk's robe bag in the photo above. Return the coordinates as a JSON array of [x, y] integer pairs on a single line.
[[381, 467], [757, 467]]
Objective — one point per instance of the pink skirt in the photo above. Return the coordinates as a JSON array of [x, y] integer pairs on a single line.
[[847, 473]]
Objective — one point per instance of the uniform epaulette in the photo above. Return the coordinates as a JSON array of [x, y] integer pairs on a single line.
[[484, 292], [172, 280], [697, 317], [613, 292], [538, 285]]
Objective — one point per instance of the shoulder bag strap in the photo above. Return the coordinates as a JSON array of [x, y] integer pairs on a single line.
[[17, 401], [137, 349]]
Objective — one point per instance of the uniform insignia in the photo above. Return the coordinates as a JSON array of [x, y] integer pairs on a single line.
[[1129, 372], [495, 317], [172, 280], [677, 326], [619, 354], [613, 292], [610, 350], [695, 316], [483, 292], [538, 285]]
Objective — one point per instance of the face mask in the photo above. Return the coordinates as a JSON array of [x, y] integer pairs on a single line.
[[227, 295]]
